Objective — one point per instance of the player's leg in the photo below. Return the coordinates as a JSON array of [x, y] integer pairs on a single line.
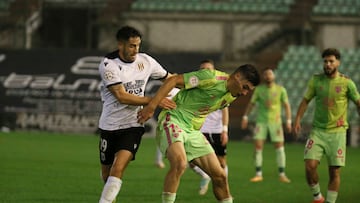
[[205, 179], [334, 184], [159, 159], [125, 152], [336, 157], [178, 163], [312, 155], [113, 182], [312, 178], [259, 138], [223, 163], [258, 160], [210, 164], [277, 137], [220, 150]]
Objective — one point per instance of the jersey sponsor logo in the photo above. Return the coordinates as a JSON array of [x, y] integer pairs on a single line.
[[193, 81], [108, 75], [135, 88]]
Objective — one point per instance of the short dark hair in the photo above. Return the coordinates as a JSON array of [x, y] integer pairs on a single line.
[[124, 33], [331, 52], [250, 73], [207, 61]]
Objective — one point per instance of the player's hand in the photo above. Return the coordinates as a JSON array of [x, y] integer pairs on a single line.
[[244, 123], [297, 129], [167, 104], [288, 127], [224, 138], [145, 114]]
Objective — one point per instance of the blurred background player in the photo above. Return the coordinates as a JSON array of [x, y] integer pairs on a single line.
[[269, 97], [124, 74], [332, 92]]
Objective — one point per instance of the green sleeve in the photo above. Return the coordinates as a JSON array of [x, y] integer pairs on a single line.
[[310, 92]]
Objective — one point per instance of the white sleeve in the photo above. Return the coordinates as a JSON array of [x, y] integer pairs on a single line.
[[158, 72], [109, 72]]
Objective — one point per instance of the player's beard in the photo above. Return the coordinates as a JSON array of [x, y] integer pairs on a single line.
[[329, 71]]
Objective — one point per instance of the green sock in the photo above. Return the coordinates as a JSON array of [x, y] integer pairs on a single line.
[[315, 189], [331, 196], [280, 157], [168, 197], [258, 161]]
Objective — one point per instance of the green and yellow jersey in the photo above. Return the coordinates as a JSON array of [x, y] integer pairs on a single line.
[[206, 92], [269, 101], [331, 100]]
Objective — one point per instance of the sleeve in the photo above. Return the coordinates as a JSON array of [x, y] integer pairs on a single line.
[[353, 93], [284, 96], [200, 78], [158, 72], [310, 91], [109, 73], [255, 96]]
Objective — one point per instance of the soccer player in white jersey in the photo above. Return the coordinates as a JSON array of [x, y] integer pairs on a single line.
[[215, 129], [124, 75]]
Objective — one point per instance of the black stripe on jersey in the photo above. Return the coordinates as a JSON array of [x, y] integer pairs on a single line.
[[113, 55], [114, 84], [167, 73]]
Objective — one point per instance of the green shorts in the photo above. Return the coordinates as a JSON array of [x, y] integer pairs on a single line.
[[275, 131], [332, 145], [170, 130]]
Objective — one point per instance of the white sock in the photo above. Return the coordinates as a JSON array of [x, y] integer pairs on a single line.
[[168, 197], [227, 200], [110, 190], [226, 170], [200, 172], [159, 157]]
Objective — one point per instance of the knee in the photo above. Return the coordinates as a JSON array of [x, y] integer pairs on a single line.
[[310, 166], [178, 167], [219, 177]]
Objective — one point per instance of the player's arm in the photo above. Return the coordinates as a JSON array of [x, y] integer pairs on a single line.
[[300, 113], [124, 97], [244, 121], [225, 122], [288, 116], [148, 111]]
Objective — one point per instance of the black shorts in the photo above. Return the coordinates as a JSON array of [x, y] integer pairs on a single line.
[[113, 141], [214, 139]]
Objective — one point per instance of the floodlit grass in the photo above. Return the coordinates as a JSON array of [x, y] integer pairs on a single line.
[[52, 167]]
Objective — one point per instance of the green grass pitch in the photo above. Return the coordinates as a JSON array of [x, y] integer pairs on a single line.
[[52, 167]]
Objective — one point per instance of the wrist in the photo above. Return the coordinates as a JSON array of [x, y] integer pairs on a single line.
[[225, 128], [288, 121]]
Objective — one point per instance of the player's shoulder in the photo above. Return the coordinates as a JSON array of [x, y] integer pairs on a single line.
[[112, 55], [341, 75]]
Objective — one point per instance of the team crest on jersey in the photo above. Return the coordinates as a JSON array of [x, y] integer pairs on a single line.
[[338, 89], [193, 81], [108, 75], [141, 66]]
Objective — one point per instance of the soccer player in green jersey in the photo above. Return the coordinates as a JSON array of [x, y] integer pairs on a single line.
[[178, 132], [269, 97], [331, 91]]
